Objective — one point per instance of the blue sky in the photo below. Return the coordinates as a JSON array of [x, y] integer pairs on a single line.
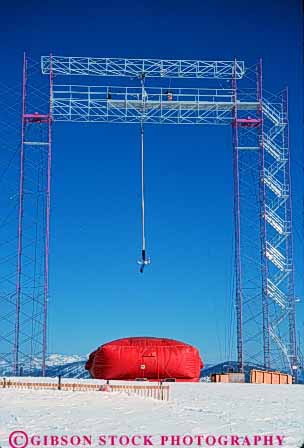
[[96, 292]]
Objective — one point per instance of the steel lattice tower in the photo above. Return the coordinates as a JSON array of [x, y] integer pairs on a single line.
[[24, 345], [10, 112], [265, 301]]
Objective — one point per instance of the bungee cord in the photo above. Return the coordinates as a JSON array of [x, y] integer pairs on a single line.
[[144, 259]]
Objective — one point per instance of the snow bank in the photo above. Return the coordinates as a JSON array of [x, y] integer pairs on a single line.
[[201, 408]]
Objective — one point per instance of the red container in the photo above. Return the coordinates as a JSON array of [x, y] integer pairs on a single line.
[[144, 357]]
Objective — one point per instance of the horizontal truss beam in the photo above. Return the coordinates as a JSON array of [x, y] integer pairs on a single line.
[[159, 68], [156, 105]]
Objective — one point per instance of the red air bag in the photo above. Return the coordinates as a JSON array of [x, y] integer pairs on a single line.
[[145, 357]]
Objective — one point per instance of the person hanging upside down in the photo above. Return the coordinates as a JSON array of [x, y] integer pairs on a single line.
[[144, 261]]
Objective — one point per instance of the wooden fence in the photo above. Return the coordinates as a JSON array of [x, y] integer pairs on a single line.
[[157, 392]]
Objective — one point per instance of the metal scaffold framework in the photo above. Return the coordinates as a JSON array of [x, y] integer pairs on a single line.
[[24, 282], [234, 96]]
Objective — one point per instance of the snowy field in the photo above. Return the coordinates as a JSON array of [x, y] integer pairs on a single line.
[[194, 409]]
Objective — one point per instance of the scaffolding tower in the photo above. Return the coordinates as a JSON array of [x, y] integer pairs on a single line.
[[24, 279], [226, 93]]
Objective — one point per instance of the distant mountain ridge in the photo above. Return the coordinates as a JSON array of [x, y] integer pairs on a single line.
[[68, 366], [73, 366], [56, 359]]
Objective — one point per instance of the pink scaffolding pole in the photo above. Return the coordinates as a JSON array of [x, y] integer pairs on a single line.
[[290, 251], [263, 227], [47, 231], [237, 226], [20, 223]]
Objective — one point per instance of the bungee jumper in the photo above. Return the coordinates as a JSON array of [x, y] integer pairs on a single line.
[[144, 261]]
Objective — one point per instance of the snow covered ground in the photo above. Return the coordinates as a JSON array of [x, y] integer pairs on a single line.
[[194, 409]]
